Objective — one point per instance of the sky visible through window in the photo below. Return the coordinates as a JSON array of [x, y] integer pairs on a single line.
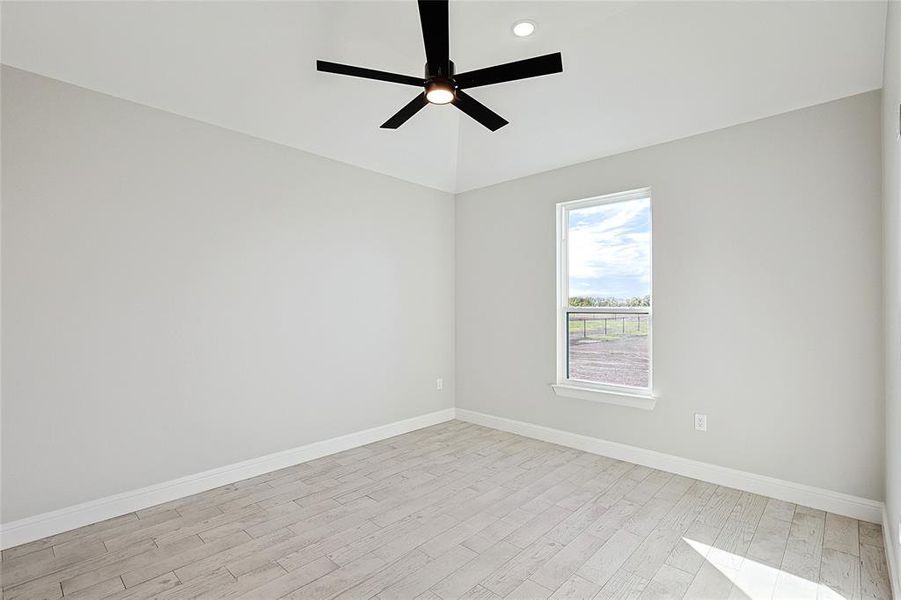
[[609, 252]]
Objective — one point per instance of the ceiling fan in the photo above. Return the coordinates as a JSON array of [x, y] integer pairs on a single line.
[[440, 84]]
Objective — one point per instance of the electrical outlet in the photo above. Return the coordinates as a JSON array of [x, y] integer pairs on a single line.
[[700, 422], [439, 384]]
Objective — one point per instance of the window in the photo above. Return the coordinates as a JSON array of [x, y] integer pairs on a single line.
[[604, 306]]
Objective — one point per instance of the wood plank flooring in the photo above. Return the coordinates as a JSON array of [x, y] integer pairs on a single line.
[[460, 511]]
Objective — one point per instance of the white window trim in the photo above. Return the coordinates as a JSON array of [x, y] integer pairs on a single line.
[[621, 395]]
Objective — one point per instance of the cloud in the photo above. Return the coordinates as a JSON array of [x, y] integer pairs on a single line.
[[609, 249]]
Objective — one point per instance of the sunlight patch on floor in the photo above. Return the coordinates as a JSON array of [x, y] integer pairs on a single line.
[[753, 580]]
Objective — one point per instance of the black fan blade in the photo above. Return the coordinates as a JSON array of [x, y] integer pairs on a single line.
[[520, 69], [401, 116], [478, 111], [330, 67], [433, 16]]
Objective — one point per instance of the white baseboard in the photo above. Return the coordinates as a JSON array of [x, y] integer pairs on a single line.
[[805, 495], [43, 525], [46, 524], [890, 537]]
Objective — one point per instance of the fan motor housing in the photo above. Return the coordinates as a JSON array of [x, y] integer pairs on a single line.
[[440, 72]]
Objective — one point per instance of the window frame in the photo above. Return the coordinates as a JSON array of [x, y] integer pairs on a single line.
[[639, 397]]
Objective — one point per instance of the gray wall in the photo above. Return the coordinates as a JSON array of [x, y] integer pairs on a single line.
[[178, 297], [891, 144], [767, 297]]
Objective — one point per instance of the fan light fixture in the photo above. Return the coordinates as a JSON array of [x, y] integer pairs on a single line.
[[439, 94], [523, 28], [440, 83]]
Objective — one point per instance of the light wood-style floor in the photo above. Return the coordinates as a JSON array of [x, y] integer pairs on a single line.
[[460, 511]]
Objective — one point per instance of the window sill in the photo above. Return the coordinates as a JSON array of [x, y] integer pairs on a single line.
[[642, 401]]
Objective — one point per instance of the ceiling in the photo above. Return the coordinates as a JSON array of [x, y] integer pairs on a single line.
[[635, 73]]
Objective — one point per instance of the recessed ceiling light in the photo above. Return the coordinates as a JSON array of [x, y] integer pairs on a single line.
[[523, 28]]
